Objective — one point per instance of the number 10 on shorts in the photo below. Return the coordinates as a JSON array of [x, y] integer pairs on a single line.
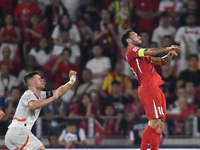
[[160, 109]]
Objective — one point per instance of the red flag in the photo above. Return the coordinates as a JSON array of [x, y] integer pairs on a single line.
[[99, 133]]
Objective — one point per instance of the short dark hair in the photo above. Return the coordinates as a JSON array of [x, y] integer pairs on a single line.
[[15, 88], [125, 36], [66, 49], [115, 82], [164, 15], [193, 56], [29, 76], [72, 123]]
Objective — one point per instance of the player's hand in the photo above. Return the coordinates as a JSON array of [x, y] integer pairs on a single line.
[[1, 114], [58, 92], [173, 53], [175, 48], [72, 73]]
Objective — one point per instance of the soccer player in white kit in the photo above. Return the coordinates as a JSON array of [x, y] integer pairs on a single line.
[[19, 134]]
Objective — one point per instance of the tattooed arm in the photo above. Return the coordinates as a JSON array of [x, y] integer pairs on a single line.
[[161, 51]]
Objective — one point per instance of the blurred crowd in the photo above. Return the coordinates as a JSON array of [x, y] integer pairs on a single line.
[[56, 36]]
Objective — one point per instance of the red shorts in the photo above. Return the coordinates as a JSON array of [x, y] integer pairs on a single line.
[[154, 103]]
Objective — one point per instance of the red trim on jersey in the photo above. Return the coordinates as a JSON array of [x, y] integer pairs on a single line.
[[21, 120], [16, 148], [25, 143]]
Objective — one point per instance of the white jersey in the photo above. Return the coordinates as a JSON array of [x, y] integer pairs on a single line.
[[24, 116]]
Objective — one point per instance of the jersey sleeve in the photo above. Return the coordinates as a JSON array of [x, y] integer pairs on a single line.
[[82, 134], [28, 97], [62, 136], [132, 53]]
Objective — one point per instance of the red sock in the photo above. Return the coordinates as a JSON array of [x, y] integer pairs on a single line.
[[155, 141], [146, 137]]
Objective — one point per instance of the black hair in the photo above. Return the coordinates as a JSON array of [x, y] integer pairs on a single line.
[[168, 36], [67, 49], [154, 43], [8, 14], [81, 109], [29, 76], [193, 56], [164, 15], [47, 49], [188, 81], [125, 36], [61, 26], [72, 123], [116, 82], [191, 14], [88, 70], [15, 88]]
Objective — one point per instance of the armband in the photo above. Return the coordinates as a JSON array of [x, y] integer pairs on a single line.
[[141, 52]]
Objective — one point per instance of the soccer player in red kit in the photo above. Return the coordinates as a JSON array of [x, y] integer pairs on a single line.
[[142, 61]]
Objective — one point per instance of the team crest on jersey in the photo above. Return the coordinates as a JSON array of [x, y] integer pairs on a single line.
[[135, 49]]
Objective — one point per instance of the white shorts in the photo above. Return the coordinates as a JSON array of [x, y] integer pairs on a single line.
[[19, 138]]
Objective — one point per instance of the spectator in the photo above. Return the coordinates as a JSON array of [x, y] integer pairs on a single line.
[[187, 37], [124, 14], [153, 45], [30, 66], [147, 13], [62, 67], [135, 109], [173, 7], [105, 35], [43, 4], [117, 75], [53, 13], [72, 136], [54, 112], [42, 51], [85, 108], [66, 43], [96, 100], [163, 29], [11, 103], [7, 81], [169, 86], [66, 24], [135, 134], [198, 47], [190, 74], [145, 38], [119, 102], [23, 17], [87, 84], [53, 140], [191, 7], [33, 34], [179, 114], [180, 92], [86, 34], [14, 66], [109, 123], [72, 7], [190, 93], [93, 9], [9, 36], [99, 65]]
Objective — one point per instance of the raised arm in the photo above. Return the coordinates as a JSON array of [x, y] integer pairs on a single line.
[[161, 51], [57, 93]]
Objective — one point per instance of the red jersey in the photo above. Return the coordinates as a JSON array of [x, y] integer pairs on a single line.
[[9, 32], [26, 10], [32, 39], [143, 68]]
